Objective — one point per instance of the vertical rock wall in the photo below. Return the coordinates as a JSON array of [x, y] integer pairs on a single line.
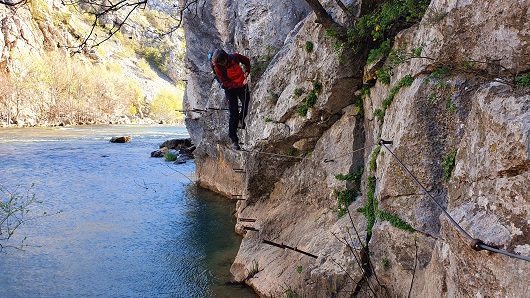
[[472, 111]]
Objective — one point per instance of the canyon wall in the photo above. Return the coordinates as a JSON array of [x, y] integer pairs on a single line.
[[454, 115]]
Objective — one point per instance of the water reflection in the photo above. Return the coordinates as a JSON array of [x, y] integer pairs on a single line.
[[130, 226]]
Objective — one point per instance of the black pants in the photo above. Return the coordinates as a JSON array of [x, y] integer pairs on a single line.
[[232, 95]]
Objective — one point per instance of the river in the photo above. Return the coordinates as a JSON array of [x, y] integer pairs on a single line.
[[118, 223]]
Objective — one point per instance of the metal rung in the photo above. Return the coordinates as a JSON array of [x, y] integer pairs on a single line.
[[238, 197], [250, 229]]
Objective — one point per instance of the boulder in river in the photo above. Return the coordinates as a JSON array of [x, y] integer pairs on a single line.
[[123, 139], [177, 143], [160, 152]]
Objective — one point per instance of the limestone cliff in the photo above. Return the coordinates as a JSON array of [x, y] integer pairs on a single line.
[[450, 100]]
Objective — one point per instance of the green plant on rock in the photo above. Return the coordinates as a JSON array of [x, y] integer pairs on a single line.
[[355, 178], [262, 62], [302, 110], [373, 159], [450, 105], [393, 58], [268, 119], [317, 86], [523, 81], [369, 210], [292, 151], [382, 51], [395, 221], [438, 74], [384, 73], [385, 262], [348, 196], [404, 82], [311, 99], [344, 199], [309, 46], [170, 156], [298, 92], [358, 100], [448, 164]]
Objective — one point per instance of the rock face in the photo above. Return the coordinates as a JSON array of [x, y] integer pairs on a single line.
[[458, 107]]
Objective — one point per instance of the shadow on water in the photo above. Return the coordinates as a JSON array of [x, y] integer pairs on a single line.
[[212, 214], [130, 226]]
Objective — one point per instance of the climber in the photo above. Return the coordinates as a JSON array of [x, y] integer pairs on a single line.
[[234, 80]]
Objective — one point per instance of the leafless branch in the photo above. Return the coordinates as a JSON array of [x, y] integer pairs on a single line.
[[101, 8], [13, 4]]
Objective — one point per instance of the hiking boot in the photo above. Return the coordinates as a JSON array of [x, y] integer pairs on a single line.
[[235, 146]]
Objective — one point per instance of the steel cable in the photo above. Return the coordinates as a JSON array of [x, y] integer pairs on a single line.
[[476, 244]]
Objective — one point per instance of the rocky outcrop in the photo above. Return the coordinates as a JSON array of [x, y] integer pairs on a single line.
[[454, 117]]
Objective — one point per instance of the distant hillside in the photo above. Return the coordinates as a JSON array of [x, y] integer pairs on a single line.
[[133, 77]]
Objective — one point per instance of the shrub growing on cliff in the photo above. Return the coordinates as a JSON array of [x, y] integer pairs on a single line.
[[302, 110], [298, 92], [348, 196], [404, 82], [382, 51], [523, 81], [373, 164], [379, 25], [448, 164], [317, 86], [309, 46], [262, 62], [369, 210], [292, 151], [395, 221], [311, 99]]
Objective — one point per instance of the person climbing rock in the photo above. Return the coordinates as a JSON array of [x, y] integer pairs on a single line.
[[234, 80]]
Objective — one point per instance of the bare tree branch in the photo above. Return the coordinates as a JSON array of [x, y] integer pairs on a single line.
[[103, 8], [13, 4]]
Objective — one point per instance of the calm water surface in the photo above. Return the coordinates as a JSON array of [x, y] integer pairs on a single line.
[[130, 225]]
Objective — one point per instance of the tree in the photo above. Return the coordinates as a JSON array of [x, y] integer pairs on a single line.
[[123, 9], [14, 4]]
